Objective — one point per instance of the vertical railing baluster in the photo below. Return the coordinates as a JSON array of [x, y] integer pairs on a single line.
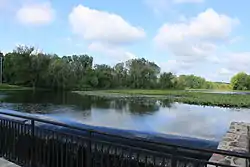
[[32, 159], [83, 159], [66, 152], [146, 161], [57, 150], [62, 151], [154, 161], [48, 154], [174, 160], [102, 152], [20, 144], [108, 156], [1, 138], [89, 150], [53, 160], [129, 157], [15, 139], [72, 150]]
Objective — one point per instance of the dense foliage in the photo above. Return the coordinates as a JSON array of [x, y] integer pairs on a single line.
[[241, 81], [26, 67]]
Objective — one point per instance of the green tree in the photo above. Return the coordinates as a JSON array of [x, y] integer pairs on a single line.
[[192, 81], [240, 81], [142, 73], [105, 75], [166, 80], [121, 75]]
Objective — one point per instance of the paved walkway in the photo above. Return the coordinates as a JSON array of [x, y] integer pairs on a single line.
[[5, 163]]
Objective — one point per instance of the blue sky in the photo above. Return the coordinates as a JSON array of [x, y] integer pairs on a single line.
[[209, 38]]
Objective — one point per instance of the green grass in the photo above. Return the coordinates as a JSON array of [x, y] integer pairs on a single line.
[[12, 87], [198, 98]]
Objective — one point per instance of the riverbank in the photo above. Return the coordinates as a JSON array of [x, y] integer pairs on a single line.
[[5, 87], [188, 97]]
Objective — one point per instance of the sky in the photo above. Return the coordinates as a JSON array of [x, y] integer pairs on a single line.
[[208, 38]]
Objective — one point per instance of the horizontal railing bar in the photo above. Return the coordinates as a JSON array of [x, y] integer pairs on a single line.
[[213, 151]]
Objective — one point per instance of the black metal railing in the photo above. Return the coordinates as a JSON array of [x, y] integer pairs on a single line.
[[28, 144]]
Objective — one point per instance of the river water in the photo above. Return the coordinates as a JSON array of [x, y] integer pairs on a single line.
[[142, 114]]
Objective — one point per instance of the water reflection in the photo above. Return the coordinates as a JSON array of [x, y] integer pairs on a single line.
[[48, 102], [137, 114]]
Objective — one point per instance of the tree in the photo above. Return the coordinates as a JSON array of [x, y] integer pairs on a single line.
[[166, 80], [240, 81], [192, 81], [105, 75], [121, 75], [142, 73]]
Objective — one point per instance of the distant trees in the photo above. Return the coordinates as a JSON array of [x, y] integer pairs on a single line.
[[193, 82], [26, 67]]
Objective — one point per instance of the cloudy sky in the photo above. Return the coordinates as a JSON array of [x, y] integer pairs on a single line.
[[209, 38]]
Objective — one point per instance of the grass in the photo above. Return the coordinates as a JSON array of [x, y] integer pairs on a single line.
[[4, 87], [189, 97]]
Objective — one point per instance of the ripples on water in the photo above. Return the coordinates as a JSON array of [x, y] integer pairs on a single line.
[[137, 114]]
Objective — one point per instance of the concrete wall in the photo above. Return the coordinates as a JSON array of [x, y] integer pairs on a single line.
[[236, 139]]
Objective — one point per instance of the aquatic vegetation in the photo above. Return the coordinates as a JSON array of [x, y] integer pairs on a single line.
[[189, 97]]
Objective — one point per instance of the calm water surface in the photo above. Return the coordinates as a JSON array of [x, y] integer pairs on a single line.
[[136, 114]]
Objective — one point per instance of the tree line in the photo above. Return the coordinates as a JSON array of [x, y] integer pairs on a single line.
[[26, 67]]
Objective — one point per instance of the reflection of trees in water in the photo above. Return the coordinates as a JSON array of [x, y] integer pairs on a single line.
[[143, 106], [100, 102], [118, 104], [30, 108], [131, 105], [166, 103], [38, 99], [63, 102]]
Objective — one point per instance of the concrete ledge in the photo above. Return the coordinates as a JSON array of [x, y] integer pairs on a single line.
[[5, 163], [236, 139]]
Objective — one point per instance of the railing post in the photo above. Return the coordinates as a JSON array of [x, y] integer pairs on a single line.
[[174, 158], [32, 158], [89, 151], [1, 138]]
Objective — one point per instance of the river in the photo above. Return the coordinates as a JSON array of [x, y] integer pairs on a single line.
[[142, 115]]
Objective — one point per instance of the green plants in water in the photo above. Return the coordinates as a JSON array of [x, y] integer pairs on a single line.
[[188, 97]]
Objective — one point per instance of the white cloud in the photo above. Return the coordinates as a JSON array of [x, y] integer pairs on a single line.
[[222, 74], [214, 59], [114, 52], [101, 26], [238, 62], [36, 14], [231, 64], [236, 39], [198, 38], [161, 6], [158, 5], [188, 1], [225, 71], [175, 66]]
